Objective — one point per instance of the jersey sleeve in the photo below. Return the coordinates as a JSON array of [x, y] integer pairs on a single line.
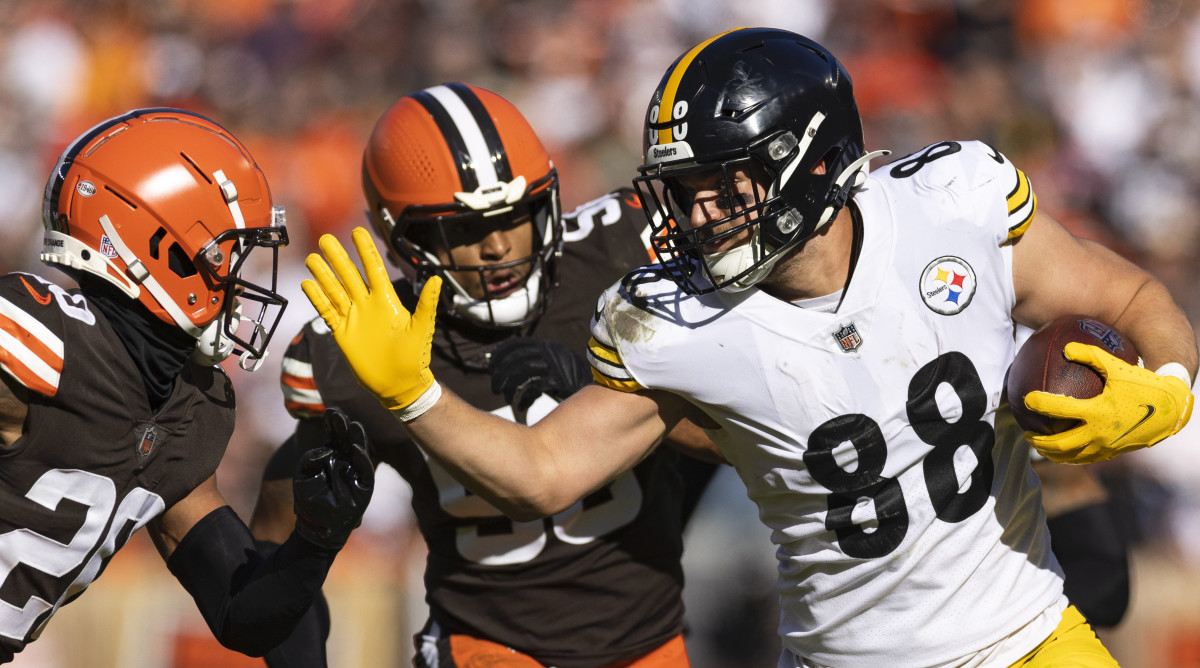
[[1022, 204], [604, 353], [32, 330], [301, 396], [978, 182], [315, 375]]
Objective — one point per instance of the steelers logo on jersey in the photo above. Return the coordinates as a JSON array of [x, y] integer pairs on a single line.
[[947, 285]]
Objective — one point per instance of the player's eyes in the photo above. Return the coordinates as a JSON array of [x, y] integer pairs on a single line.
[[733, 201]]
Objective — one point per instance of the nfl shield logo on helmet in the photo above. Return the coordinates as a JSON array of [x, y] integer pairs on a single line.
[[106, 247], [848, 338]]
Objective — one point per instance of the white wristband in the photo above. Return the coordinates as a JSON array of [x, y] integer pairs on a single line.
[[1177, 370], [423, 403]]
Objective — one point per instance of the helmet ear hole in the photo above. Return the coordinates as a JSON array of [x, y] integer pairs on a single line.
[[178, 261], [155, 241], [830, 158]]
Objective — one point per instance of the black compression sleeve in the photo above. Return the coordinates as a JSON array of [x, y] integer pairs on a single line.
[[1093, 558], [251, 604], [305, 647]]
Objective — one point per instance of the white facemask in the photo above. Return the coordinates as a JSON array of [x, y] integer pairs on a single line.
[[510, 310]]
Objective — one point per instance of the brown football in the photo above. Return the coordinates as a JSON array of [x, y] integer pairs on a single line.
[[1041, 365]]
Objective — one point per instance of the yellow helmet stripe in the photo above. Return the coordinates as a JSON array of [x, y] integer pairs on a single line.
[[668, 97]]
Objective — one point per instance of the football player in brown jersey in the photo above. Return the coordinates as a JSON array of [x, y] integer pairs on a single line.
[[460, 187], [113, 411]]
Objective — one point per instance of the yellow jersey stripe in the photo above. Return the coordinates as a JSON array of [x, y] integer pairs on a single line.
[[1020, 194], [603, 352], [1017, 230], [622, 385], [667, 104]]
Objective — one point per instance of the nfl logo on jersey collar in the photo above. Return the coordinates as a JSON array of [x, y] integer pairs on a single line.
[[947, 285], [848, 338]]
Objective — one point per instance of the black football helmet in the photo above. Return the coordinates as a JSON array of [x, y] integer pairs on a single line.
[[773, 104]]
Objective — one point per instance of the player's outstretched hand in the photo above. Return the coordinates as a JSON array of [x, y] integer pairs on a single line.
[[524, 368], [333, 484], [387, 347], [1137, 409]]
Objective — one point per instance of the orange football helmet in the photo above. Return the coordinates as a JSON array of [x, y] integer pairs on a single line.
[[456, 156], [166, 205]]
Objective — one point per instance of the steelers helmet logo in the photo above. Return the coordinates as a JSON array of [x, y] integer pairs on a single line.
[[947, 285]]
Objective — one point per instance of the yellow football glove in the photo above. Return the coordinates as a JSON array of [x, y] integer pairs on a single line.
[[1137, 409], [387, 347]]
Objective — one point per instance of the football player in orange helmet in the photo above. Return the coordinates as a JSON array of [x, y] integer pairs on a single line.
[[461, 189], [112, 398]]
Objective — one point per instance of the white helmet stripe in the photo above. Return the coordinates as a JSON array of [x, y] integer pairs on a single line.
[[805, 141], [229, 193], [468, 129]]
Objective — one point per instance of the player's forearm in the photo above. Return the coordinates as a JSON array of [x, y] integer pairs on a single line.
[[1158, 328], [499, 460], [251, 604]]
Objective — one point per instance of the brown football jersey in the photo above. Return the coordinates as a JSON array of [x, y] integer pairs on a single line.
[[595, 584], [95, 463]]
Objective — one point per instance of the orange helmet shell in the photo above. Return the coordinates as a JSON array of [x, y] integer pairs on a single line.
[[431, 146], [167, 182]]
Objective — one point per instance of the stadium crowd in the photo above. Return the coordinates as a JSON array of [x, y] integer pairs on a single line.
[[1098, 101]]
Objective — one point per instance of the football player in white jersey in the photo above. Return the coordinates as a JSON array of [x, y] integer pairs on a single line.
[[848, 360]]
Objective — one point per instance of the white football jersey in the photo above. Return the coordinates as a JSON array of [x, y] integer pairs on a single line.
[[907, 535]]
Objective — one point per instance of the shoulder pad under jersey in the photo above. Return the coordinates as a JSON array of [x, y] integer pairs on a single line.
[[300, 394], [33, 321], [973, 177]]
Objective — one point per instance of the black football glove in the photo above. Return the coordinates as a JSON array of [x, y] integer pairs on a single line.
[[333, 483], [524, 368]]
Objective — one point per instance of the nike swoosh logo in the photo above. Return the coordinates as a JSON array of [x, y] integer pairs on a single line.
[[44, 300], [1149, 413]]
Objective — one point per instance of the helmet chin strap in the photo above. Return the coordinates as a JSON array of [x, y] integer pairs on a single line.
[[138, 272], [736, 260], [859, 170], [212, 345]]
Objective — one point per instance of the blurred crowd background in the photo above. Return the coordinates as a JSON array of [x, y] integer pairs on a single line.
[[1096, 100]]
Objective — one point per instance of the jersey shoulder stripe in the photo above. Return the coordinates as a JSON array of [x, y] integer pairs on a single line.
[[603, 352], [607, 368], [1022, 205], [301, 397], [30, 352]]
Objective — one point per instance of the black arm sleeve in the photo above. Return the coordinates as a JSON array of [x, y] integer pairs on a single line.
[[250, 603], [305, 647], [1094, 561]]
